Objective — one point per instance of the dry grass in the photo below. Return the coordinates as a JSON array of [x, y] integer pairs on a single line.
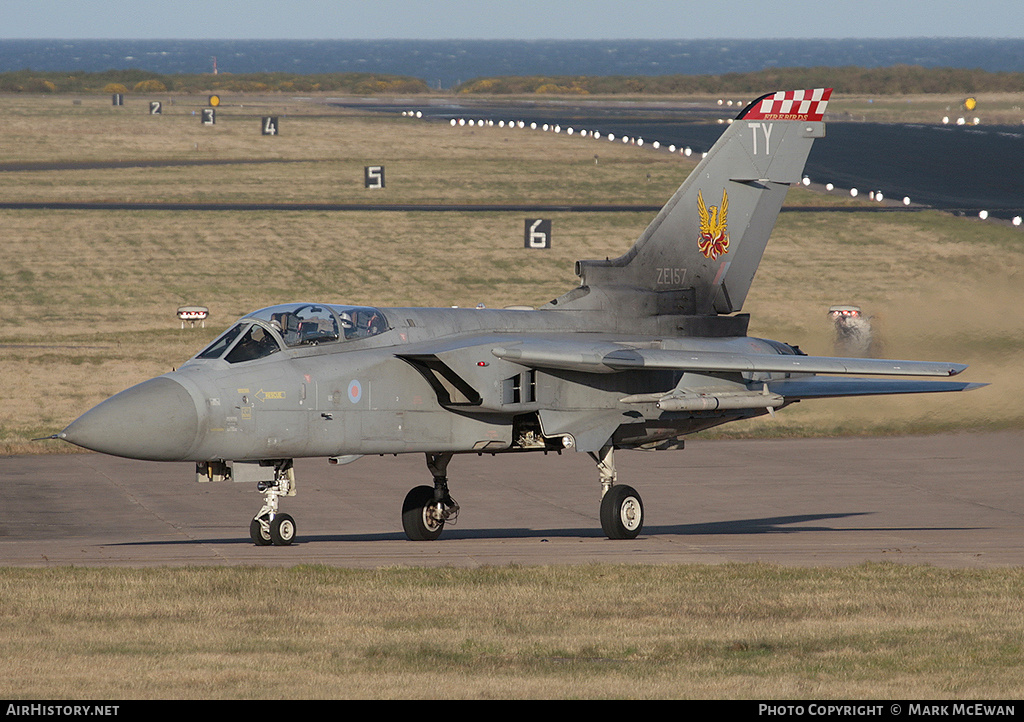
[[736, 631], [318, 158], [89, 296]]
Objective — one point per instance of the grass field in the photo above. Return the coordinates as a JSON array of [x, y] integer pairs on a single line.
[[89, 300], [590, 632]]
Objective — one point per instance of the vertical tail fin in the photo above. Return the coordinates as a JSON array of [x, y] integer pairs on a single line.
[[703, 248]]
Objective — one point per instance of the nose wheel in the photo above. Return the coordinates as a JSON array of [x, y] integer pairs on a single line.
[[279, 530]]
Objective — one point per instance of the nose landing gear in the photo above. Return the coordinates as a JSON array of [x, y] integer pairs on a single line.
[[269, 526]]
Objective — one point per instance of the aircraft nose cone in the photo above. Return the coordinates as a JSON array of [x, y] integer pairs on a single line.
[[155, 420]]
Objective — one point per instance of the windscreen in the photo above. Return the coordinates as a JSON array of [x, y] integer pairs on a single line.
[[218, 347]]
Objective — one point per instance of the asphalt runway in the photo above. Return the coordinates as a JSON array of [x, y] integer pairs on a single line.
[[953, 500]]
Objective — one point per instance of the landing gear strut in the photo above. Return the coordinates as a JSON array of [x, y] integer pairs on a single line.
[[270, 526], [426, 509], [622, 510]]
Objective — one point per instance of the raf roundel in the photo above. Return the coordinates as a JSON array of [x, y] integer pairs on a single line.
[[355, 392]]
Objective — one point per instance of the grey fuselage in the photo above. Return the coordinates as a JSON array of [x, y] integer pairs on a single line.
[[429, 382]]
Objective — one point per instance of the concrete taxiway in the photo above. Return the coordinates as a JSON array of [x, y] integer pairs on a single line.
[[952, 500]]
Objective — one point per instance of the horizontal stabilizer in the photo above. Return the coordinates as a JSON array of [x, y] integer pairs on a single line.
[[610, 357]]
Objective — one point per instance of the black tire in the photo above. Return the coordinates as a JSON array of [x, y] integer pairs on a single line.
[[282, 530], [417, 525], [258, 536], [622, 513]]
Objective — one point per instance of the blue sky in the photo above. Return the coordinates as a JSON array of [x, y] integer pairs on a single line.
[[518, 19]]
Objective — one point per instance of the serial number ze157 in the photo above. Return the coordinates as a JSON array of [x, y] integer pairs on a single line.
[[671, 276]]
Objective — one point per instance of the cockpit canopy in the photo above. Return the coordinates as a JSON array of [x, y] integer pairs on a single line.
[[292, 325]]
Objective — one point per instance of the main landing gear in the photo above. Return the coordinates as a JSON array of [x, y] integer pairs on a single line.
[[426, 509], [270, 526], [622, 510]]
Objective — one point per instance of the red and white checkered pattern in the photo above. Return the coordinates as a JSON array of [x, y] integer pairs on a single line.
[[791, 105]]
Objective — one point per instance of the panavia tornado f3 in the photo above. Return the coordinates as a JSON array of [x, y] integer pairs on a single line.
[[648, 348]]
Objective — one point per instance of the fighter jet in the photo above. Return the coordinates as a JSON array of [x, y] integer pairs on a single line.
[[648, 348]]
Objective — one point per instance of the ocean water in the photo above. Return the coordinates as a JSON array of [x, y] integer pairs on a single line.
[[445, 63]]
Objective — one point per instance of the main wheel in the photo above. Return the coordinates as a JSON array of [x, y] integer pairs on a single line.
[[259, 537], [417, 520], [622, 513], [282, 530]]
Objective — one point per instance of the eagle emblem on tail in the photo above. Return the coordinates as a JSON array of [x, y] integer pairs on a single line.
[[714, 240]]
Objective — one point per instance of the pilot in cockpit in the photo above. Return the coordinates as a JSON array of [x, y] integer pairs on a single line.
[[347, 324], [256, 343]]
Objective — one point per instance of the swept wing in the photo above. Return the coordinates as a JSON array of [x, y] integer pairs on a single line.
[[611, 357]]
